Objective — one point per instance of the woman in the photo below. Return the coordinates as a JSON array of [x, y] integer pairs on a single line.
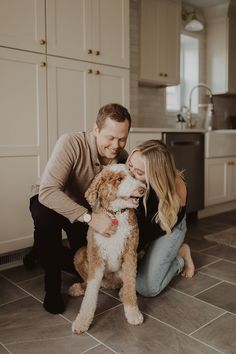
[[161, 217]]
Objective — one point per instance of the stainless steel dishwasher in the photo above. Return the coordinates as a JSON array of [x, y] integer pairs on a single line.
[[188, 151]]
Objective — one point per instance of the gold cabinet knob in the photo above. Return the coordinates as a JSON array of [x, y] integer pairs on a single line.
[[90, 71], [161, 74], [165, 75], [43, 64], [97, 52], [90, 51], [42, 41], [97, 72]]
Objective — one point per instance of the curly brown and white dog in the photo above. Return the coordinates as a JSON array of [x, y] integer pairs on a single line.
[[110, 262]]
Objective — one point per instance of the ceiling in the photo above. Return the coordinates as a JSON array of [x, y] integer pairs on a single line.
[[204, 3]]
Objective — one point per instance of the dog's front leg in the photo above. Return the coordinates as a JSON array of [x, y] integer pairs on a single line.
[[128, 291], [89, 303]]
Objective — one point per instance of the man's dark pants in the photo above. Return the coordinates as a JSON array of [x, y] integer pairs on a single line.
[[48, 249]]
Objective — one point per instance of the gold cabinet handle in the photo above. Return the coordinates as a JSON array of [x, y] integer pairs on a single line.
[[161, 74], [97, 72], [90, 51], [90, 71], [97, 52], [43, 64], [42, 41], [165, 75]]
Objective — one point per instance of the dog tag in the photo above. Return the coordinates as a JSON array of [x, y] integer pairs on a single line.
[[115, 221]]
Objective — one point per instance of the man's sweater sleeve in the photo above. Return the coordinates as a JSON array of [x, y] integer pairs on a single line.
[[55, 177]]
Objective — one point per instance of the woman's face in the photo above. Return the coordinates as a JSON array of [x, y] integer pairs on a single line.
[[136, 166]]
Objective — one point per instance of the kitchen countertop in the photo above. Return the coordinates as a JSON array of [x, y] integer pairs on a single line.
[[166, 130]]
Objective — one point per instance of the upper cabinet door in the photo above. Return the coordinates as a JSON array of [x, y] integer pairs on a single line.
[[22, 24], [91, 30], [68, 28], [220, 48], [160, 41], [110, 32]]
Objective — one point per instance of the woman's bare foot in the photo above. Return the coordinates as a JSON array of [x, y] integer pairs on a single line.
[[189, 268]]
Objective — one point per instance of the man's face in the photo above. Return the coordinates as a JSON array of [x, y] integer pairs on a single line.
[[111, 138]]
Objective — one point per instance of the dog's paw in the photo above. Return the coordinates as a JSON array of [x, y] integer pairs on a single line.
[[78, 327], [133, 315], [76, 289]]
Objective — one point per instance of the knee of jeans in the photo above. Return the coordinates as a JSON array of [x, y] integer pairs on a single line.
[[148, 290]]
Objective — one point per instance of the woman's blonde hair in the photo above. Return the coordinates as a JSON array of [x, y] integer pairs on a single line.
[[161, 174]]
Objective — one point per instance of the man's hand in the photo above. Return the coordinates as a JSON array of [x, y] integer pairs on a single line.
[[102, 223]]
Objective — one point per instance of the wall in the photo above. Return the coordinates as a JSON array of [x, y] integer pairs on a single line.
[[147, 104]]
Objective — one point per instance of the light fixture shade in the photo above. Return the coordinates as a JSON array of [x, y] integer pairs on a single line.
[[194, 26], [192, 23]]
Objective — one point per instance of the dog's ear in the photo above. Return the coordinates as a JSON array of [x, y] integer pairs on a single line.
[[91, 194]]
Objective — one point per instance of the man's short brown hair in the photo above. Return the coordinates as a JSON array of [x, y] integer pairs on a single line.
[[113, 111]]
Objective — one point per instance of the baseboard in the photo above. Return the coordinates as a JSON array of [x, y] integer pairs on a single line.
[[16, 244], [216, 209]]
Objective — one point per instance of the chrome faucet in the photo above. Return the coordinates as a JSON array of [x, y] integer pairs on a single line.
[[190, 122]]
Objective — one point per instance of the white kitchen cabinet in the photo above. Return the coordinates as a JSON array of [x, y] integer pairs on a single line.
[[76, 91], [43, 95], [90, 30], [23, 141], [22, 24], [220, 180], [136, 138], [220, 48], [160, 41]]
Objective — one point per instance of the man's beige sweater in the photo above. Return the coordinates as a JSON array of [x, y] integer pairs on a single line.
[[68, 173]]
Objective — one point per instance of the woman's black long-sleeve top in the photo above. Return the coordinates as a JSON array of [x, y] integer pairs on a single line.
[[149, 230]]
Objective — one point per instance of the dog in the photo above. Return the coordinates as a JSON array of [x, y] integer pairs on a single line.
[[110, 262]]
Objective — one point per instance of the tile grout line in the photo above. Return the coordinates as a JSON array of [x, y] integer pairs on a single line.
[[211, 255], [215, 277], [110, 309], [3, 345], [100, 342], [204, 249], [165, 323], [87, 350], [200, 300], [105, 345], [30, 279], [207, 345], [179, 331], [16, 284], [11, 302], [210, 287], [102, 291], [206, 324], [209, 264]]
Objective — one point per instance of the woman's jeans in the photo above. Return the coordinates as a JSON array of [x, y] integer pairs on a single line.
[[161, 262]]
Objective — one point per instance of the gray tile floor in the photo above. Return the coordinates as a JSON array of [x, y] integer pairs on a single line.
[[195, 315]]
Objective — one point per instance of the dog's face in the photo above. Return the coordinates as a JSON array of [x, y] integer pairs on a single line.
[[114, 188]]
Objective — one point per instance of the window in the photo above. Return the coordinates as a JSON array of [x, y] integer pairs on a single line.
[[178, 96]]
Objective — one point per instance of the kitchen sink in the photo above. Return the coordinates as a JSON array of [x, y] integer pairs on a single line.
[[220, 143]]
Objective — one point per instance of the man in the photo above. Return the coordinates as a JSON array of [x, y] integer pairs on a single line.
[[59, 203]]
